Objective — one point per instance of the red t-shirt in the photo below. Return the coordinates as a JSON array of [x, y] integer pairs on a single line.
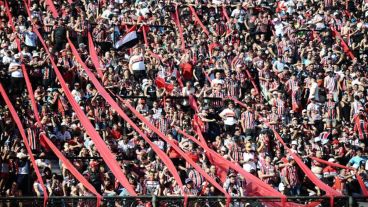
[[187, 71], [116, 134]]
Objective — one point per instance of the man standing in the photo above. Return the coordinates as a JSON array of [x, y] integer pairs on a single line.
[[59, 36], [136, 65]]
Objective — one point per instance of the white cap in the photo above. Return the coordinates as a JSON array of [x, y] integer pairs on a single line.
[[331, 160], [317, 139], [294, 142]]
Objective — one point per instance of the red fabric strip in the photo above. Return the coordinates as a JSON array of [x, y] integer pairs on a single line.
[[329, 191], [194, 13], [176, 148], [255, 187], [361, 183], [27, 7], [177, 22], [144, 30], [343, 44], [24, 70], [193, 103], [252, 81], [7, 10], [331, 163], [102, 91], [71, 168], [94, 57], [25, 140], [52, 8], [101, 146], [362, 186], [224, 12]]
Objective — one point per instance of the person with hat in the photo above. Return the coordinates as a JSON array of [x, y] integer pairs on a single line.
[[189, 188]]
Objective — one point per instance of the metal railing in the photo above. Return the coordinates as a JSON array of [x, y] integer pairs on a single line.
[[174, 201]]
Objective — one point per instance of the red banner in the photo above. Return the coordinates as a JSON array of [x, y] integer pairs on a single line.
[[100, 144], [102, 91], [24, 70], [176, 148], [329, 191], [359, 178], [25, 140], [194, 13], [342, 42], [94, 56], [71, 168], [177, 22], [255, 187]]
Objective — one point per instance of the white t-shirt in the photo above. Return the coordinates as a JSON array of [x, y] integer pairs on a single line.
[[250, 164], [229, 116], [18, 73], [215, 82], [279, 29], [30, 39], [279, 65], [7, 60], [314, 87], [106, 14], [137, 62], [77, 95]]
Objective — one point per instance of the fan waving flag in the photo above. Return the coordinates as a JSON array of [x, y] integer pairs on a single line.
[[129, 40]]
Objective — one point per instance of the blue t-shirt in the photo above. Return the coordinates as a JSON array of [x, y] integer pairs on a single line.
[[355, 161]]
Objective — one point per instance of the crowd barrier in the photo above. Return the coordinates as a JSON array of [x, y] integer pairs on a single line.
[[171, 201]]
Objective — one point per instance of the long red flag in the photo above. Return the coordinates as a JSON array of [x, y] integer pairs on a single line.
[[25, 140], [71, 168], [94, 56], [102, 91], [304, 168], [176, 148], [101, 146], [24, 70]]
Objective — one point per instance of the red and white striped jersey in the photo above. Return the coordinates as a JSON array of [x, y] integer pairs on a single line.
[[248, 119]]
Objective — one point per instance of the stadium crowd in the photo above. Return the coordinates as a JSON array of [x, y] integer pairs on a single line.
[[299, 66]]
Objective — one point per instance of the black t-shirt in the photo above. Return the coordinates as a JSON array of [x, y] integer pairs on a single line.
[[199, 73], [60, 34], [151, 90]]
